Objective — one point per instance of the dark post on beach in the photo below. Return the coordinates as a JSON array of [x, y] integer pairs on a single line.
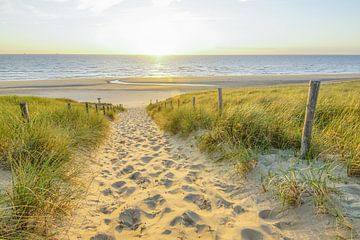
[[96, 108], [104, 109], [87, 107], [193, 102], [220, 100], [178, 103], [24, 111], [309, 117]]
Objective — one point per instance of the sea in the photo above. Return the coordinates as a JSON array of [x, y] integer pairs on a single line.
[[59, 66]]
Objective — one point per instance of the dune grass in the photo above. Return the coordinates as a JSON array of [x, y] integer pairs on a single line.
[[40, 155], [260, 119]]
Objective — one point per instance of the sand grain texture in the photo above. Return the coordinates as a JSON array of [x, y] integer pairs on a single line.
[[149, 185]]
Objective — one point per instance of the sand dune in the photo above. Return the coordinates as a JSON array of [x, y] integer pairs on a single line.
[[150, 185]]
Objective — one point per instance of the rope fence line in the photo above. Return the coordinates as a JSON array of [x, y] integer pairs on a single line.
[[105, 107]]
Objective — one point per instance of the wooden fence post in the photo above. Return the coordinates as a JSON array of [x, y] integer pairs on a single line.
[[104, 110], [96, 108], [178, 103], [171, 104], [24, 111], [309, 117], [220, 100], [87, 107], [193, 102]]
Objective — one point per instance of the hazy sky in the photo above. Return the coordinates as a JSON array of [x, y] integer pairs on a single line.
[[180, 26]]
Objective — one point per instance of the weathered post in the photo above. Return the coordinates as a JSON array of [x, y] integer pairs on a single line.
[[171, 104], [178, 103], [309, 117], [24, 111], [96, 108], [193, 102], [104, 110], [87, 107], [220, 100]]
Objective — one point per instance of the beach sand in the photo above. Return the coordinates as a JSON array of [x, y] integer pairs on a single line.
[[89, 89], [146, 184], [149, 185]]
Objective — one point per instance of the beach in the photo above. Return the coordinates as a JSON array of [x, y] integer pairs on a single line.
[[138, 91], [144, 182], [147, 184]]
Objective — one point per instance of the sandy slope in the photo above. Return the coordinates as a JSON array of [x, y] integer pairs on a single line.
[[152, 186]]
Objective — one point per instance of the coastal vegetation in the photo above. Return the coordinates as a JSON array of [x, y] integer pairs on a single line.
[[258, 120], [43, 155]]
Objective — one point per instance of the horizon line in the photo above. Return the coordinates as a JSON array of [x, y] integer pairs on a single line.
[[164, 55]]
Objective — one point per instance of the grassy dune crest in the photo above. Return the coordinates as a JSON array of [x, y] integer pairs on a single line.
[[40, 155], [259, 119]]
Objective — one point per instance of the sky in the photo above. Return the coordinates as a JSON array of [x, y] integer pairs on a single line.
[[159, 27]]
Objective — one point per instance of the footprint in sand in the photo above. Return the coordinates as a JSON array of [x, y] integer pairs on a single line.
[[268, 214], [118, 184], [166, 182], [146, 159], [130, 219], [199, 200], [154, 201], [155, 187], [107, 210], [251, 234], [102, 236], [187, 219], [128, 169], [168, 163]]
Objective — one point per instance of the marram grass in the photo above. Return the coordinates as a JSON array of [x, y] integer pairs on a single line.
[[40, 155], [259, 119]]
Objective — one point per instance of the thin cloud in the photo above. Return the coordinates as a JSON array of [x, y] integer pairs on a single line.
[[97, 6], [163, 3]]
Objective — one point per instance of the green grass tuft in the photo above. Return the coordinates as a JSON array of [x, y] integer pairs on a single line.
[[40, 154], [270, 117]]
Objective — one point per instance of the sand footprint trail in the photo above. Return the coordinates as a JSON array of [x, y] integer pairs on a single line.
[[150, 186]]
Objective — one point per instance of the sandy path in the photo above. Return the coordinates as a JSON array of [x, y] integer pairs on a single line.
[[151, 186]]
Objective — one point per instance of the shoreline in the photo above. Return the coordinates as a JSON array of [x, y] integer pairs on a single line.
[[136, 91]]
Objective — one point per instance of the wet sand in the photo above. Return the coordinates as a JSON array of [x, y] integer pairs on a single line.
[[139, 91]]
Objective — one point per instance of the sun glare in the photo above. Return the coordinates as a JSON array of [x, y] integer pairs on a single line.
[[157, 31], [156, 37]]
